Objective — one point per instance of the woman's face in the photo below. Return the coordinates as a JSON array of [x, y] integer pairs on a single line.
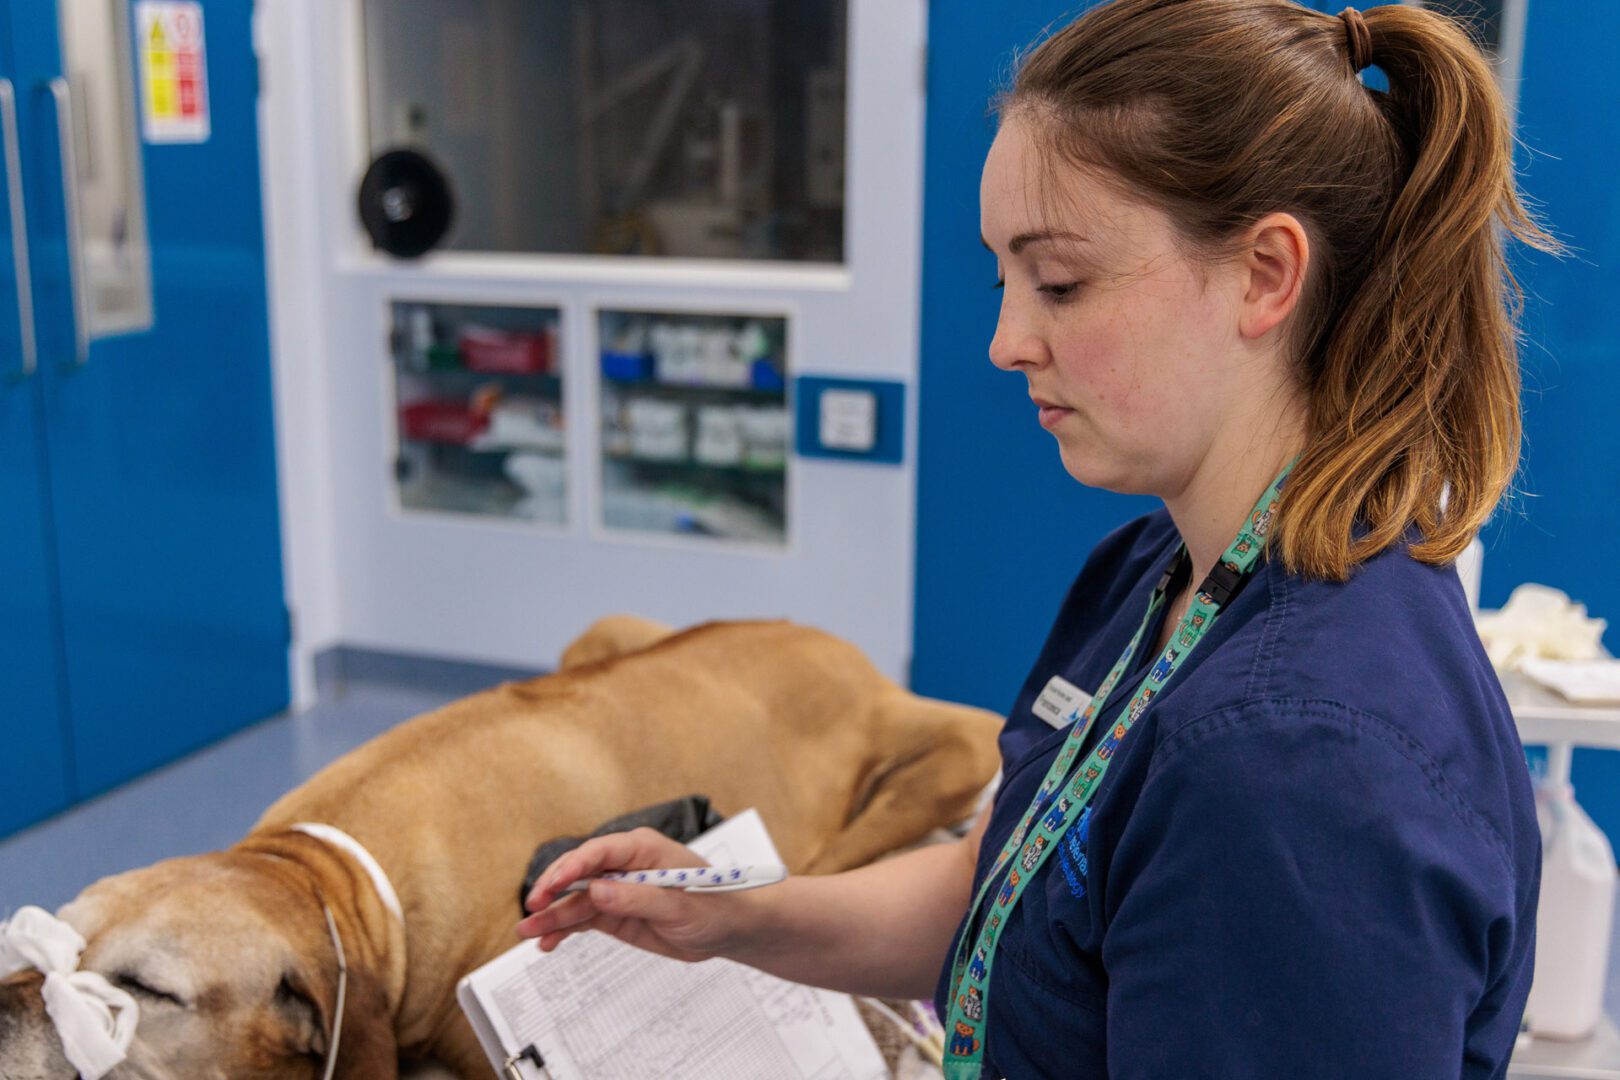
[[1132, 354]]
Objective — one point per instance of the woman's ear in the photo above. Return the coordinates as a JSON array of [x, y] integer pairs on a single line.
[[1275, 256]]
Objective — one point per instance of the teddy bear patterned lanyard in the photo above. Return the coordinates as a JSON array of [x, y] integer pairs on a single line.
[[1043, 825]]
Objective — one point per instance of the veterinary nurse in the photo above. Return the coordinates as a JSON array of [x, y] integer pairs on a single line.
[[1292, 834]]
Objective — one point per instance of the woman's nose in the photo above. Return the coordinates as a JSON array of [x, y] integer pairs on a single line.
[[1013, 345]]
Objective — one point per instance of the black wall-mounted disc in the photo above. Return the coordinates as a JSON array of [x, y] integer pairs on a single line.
[[405, 203]]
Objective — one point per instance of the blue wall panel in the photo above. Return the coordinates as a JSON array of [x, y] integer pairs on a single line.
[[1002, 529], [1562, 531]]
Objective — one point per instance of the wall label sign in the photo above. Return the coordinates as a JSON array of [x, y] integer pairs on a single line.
[[174, 71]]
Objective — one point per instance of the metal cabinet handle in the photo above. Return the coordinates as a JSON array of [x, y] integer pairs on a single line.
[[70, 197], [19, 229]]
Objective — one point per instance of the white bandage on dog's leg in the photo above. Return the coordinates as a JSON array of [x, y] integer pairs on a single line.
[[94, 1019]]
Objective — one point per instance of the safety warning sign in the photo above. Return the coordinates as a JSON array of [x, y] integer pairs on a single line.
[[174, 70]]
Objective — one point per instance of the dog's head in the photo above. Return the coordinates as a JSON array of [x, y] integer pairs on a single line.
[[234, 969]]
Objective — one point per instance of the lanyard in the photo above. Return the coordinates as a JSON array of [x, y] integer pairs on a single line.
[[1044, 825]]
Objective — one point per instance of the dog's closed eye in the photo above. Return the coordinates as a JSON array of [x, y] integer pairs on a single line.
[[137, 986]]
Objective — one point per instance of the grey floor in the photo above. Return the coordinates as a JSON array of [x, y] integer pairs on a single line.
[[201, 803], [210, 799]]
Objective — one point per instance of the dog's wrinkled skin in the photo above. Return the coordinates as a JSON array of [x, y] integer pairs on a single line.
[[229, 953]]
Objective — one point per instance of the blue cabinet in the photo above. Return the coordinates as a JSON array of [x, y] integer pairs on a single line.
[[151, 609], [35, 778], [34, 773]]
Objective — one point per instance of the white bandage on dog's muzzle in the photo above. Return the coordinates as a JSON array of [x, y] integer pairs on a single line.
[[94, 1019]]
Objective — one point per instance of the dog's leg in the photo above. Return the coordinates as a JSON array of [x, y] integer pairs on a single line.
[[939, 758], [459, 1052], [612, 636]]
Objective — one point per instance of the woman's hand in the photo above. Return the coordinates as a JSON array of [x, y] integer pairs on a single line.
[[670, 922]]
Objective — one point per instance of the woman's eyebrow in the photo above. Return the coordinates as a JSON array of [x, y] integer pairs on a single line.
[[1023, 240]]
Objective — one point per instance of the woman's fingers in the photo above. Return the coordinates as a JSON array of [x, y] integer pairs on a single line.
[[689, 925], [636, 932], [658, 920], [639, 849], [571, 910], [663, 908]]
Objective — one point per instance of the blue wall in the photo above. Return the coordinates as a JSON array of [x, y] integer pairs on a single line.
[[1562, 531], [1001, 527]]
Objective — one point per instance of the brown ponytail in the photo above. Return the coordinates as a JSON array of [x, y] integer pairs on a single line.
[[1221, 111]]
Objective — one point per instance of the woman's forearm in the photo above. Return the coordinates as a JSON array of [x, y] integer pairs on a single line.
[[880, 930]]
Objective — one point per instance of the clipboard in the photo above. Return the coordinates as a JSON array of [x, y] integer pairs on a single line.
[[586, 1009], [525, 1064]]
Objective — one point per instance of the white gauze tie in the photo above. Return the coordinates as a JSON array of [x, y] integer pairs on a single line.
[[95, 1020]]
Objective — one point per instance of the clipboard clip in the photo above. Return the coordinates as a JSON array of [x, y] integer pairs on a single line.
[[510, 1070]]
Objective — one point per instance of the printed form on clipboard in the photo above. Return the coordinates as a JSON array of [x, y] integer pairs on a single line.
[[598, 1009]]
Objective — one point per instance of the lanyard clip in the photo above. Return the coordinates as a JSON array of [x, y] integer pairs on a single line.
[[1222, 583]]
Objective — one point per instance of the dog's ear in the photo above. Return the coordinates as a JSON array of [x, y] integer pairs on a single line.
[[613, 636], [367, 1049], [303, 1021]]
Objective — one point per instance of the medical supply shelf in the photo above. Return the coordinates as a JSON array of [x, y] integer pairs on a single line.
[[1597, 1058], [658, 386], [695, 429], [461, 380], [479, 410], [773, 472]]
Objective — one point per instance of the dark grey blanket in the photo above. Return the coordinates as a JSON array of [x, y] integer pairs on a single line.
[[679, 819]]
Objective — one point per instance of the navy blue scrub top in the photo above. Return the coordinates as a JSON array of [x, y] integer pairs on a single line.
[[1315, 855]]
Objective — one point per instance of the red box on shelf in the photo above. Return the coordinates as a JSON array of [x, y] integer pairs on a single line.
[[505, 352], [441, 422]]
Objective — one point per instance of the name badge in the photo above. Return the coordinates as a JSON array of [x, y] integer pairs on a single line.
[[1061, 703]]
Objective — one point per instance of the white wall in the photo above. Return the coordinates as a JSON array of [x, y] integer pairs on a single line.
[[362, 573]]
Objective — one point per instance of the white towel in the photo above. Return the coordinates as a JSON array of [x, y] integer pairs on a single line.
[[94, 1019]]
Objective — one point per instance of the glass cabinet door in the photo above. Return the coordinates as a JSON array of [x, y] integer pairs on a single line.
[[709, 129], [695, 426], [480, 413]]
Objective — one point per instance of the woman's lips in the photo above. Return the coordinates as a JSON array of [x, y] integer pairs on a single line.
[[1052, 415]]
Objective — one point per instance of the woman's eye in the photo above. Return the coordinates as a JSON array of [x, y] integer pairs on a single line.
[[1060, 292], [1001, 283]]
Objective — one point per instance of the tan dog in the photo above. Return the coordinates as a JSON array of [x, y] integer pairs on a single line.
[[229, 954]]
